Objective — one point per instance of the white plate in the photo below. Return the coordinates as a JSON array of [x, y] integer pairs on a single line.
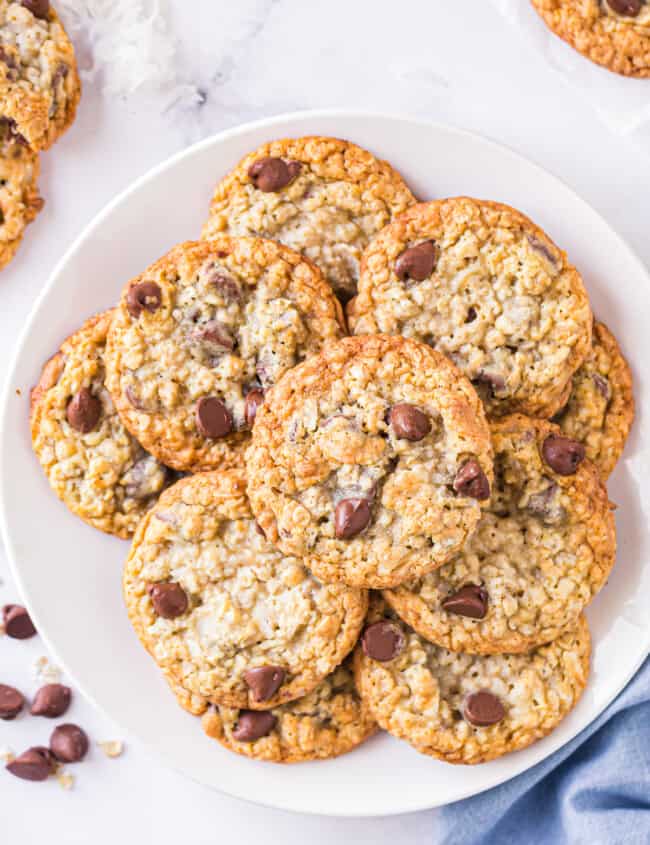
[[70, 574]]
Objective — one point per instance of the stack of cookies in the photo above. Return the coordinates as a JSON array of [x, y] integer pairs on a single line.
[[398, 528]]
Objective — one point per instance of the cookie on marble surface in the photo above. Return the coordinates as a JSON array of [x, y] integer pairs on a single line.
[[91, 461], [612, 33], [202, 334], [323, 197], [600, 410], [371, 460], [465, 708], [39, 83], [543, 549], [20, 201], [484, 285], [222, 612]]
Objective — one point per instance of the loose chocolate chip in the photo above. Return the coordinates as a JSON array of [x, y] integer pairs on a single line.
[[145, 296], [264, 681], [215, 334], [563, 454], [482, 709], [69, 743], [383, 640], [471, 481], [254, 399], [629, 8], [17, 622], [83, 411], [351, 517], [169, 599], [417, 262], [471, 601], [253, 724], [409, 422], [212, 417], [52, 701], [11, 702], [272, 174], [32, 764], [38, 8]]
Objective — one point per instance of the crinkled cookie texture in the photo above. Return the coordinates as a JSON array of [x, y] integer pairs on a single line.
[[39, 84], [484, 285], [91, 461], [436, 699], [323, 197], [330, 721], [600, 410], [20, 201], [371, 461], [543, 549], [200, 336], [223, 613], [612, 33]]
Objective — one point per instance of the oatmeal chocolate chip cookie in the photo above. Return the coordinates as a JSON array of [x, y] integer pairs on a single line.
[[464, 708], [543, 549], [600, 410], [330, 721], [202, 334], [612, 33], [323, 197], [19, 198], [39, 84], [481, 283], [371, 461], [92, 463], [223, 613]]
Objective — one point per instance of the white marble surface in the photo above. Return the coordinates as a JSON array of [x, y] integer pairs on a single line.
[[456, 63]]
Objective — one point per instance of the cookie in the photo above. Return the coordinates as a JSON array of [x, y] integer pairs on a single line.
[[465, 708], [20, 201], [544, 548], [612, 33], [330, 721], [484, 285], [323, 197], [600, 410], [223, 613], [371, 461], [91, 461], [202, 334], [39, 83]]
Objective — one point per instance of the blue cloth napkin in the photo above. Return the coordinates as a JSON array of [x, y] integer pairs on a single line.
[[595, 790]]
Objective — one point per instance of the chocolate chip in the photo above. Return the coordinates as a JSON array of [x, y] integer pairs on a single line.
[[254, 399], [272, 173], [417, 262], [264, 681], [33, 764], [351, 517], [472, 314], [38, 8], [145, 478], [168, 598], [383, 640], [471, 481], [541, 248], [17, 622], [409, 422], [545, 504], [212, 417], [226, 286], [629, 8], [69, 743], [11, 702], [482, 709], [601, 384], [495, 382], [471, 601], [563, 454], [52, 701], [253, 724], [215, 334], [84, 411], [145, 296], [260, 530]]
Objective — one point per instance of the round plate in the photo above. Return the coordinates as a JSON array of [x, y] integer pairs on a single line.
[[70, 574]]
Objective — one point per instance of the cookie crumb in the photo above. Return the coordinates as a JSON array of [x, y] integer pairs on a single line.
[[45, 671], [65, 780], [112, 747], [6, 754], [19, 392]]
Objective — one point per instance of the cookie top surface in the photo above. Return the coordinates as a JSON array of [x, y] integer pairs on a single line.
[[39, 84], [20, 201], [330, 721], [544, 547], [484, 285], [600, 410], [465, 708], [92, 463], [323, 197], [612, 33], [371, 460], [221, 611], [202, 333]]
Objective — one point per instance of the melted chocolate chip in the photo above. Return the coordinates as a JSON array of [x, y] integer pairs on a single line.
[[272, 174], [214, 334], [69, 743], [482, 709], [169, 599], [417, 262], [383, 640], [563, 454], [471, 601], [254, 399], [409, 422], [471, 481], [627, 8], [264, 681], [145, 296], [38, 8], [51, 701], [351, 517], [212, 417], [84, 411], [253, 724]]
